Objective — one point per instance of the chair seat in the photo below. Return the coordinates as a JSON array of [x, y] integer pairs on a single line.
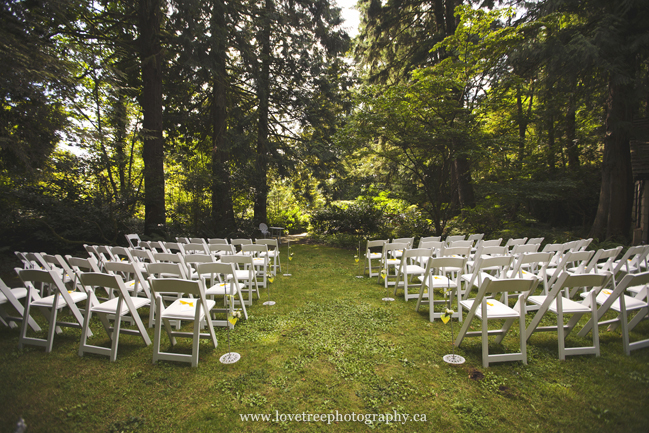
[[185, 309], [630, 302], [522, 274], [219, 289], [48, 301], [374, 256], [270, 254], [19, 293], [413, 269], [569, 306], [495, 309], [439, 282], [481, 277], [636, 289], [130, 285], [110, 306], [241, 274]]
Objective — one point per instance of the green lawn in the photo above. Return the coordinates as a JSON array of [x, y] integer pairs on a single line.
[[330, 345]]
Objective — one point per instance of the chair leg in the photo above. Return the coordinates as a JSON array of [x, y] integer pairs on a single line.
[[116, 329], [560, 330], [196, 341], [52, 330], [594, 318], [84, 331], [23, 324], [521, 328], [485, 338], [156, 334]]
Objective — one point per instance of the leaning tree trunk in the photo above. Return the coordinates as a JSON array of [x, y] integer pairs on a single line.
[[613, 218], [150, 16]]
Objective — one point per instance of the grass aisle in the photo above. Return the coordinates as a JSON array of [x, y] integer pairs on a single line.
[[329, 346]]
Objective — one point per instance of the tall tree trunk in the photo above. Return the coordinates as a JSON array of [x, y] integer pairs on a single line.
[[523, 117], [552, 148], [572, 148], [119, 126], [613, 218], [222, 208], [263, 96], [149, 19]]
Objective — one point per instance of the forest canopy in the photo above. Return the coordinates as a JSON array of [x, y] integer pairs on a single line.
[[179, 117]]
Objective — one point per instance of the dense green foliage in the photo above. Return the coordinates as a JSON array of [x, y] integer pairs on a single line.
[[464, 118]]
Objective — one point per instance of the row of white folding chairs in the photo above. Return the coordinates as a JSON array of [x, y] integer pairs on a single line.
[[557, 300], [422, 264], [374, 248], [597, 301], [248, 268], [124, 306]]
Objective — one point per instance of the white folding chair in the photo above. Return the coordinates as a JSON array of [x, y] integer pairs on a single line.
[[157, 247], [174, 247], [60, 266], [216, 282], [259, 253], [442, 273], [485, 266], [121, 307], [273, 253], [475, 237], [577, 261], [622, 304], [631, 261], [373, 251], [512, 242], [486, 308], [238, 242], [132, 277], [218, 250], [197, 309], [11, 296], [79, 265], [603, 260], [49, 305], [555, 303], [429, 239], [409, 268], [160, 270], [454, 238], [389, 261], [193, 260], [460, 243], [133, 240], [244, 272], [195, 248], [529, 265], [524, 248]]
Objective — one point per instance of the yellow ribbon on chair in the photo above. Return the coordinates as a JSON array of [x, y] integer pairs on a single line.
[[189, 304]]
